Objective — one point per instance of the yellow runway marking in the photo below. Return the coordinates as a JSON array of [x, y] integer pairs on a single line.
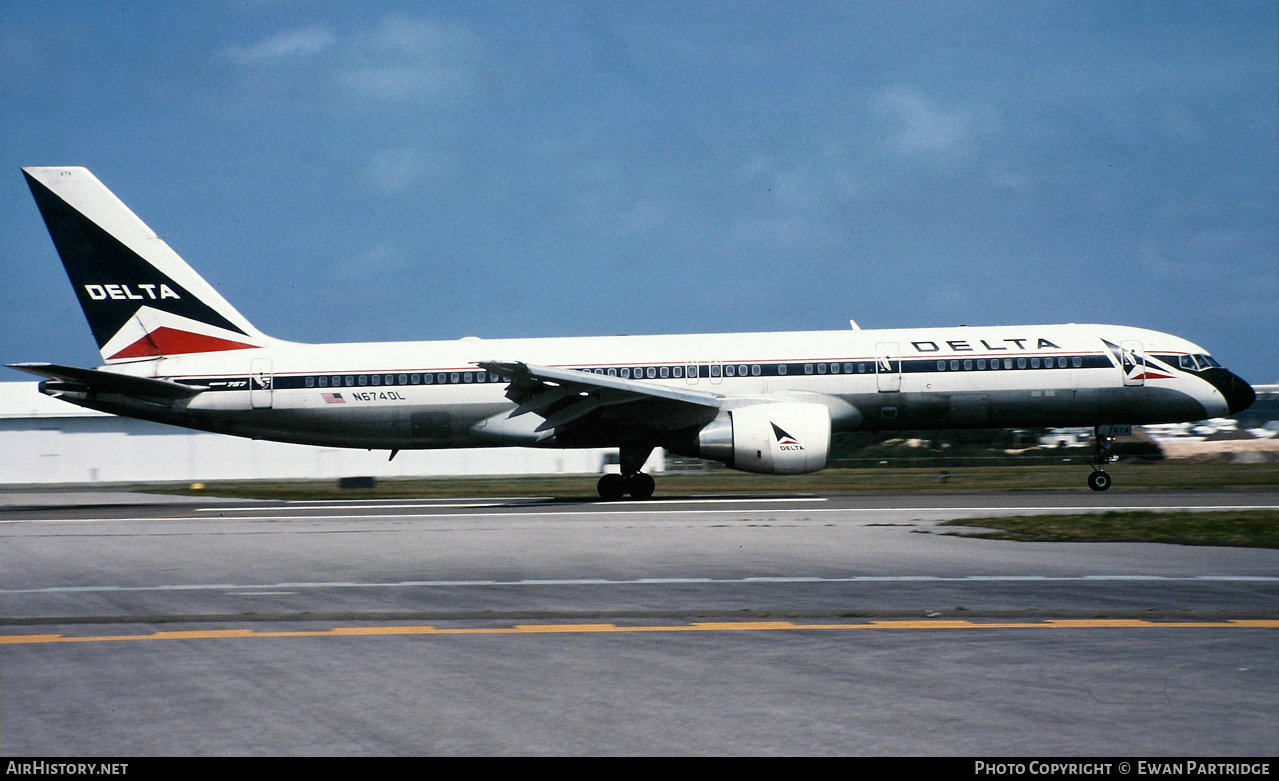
[[710, 626]]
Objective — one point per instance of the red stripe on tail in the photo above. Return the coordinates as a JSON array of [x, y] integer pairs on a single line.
[[171, 341]]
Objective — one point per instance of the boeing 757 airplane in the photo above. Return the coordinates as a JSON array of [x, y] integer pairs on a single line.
[[176, 352]]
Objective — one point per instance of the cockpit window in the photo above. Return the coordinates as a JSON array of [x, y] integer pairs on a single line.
[[1191, 363]]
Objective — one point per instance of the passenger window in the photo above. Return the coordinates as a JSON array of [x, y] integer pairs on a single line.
[[377, 379], [1076, 362], [663, 372], [612, 372], [755, 370], [1034, 363], [324, 382], [741, 370], [781, 369], [310, 382], [730, 370], [981, 364], [834, 368], [968, 366], [364, 379], [481, 376], [1061, 363], [848, 368], [626, 373], [678, 372], [1021, 363], [454, 377], [954, 366], [941, 366], [821, 368], [650, 372], [861, 368], [808, 368]]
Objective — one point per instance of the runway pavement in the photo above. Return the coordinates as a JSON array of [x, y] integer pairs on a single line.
[[713, 625]]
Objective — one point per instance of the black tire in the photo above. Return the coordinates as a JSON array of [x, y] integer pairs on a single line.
[[640, 485], [1099, 481], [611, 487]]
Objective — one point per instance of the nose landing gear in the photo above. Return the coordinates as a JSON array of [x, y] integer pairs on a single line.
[[1104, 436]]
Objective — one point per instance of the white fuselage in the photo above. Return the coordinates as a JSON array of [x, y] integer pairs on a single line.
[[404, 395]]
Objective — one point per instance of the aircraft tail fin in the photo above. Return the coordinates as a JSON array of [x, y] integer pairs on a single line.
[[141, 299]]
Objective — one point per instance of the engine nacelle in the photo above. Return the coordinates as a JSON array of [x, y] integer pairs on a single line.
[[777, 438]]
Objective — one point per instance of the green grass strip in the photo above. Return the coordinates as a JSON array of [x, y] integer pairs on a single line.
[[887, 479], [1241, 529]]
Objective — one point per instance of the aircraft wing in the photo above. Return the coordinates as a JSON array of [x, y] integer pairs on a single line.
[[71, 378], [564, 397]]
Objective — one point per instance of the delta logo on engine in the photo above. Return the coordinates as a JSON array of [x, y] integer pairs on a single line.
[[785, 441]]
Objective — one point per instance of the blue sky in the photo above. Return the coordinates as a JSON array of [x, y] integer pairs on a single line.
[[386, 171]]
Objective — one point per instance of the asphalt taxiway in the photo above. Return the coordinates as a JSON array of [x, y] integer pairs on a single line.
[[711, 625]]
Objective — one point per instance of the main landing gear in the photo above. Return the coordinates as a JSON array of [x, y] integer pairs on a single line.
[[613, 486], [1100, 479], [631, 482]]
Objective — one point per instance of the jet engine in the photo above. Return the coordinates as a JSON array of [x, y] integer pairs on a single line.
[[778, 438]]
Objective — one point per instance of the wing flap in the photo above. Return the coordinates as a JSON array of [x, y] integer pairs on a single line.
[[565, 397], [533, 380]]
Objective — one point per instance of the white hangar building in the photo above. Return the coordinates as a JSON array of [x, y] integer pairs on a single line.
[[43, 440]]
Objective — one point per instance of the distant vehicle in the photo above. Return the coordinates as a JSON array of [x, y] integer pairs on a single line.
[[176, 352]]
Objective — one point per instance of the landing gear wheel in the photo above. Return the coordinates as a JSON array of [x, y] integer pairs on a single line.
[[611, 487], [640, 485], [1099, 480]]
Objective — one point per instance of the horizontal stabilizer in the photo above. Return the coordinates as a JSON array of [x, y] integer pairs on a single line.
[[71, 378]]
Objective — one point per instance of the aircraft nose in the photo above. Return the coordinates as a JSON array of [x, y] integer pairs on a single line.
[[1238, 393]]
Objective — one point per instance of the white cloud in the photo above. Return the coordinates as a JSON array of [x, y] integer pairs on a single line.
[[924, 128], [292, 45], [403, 58], [396, 170], [398, 59]]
